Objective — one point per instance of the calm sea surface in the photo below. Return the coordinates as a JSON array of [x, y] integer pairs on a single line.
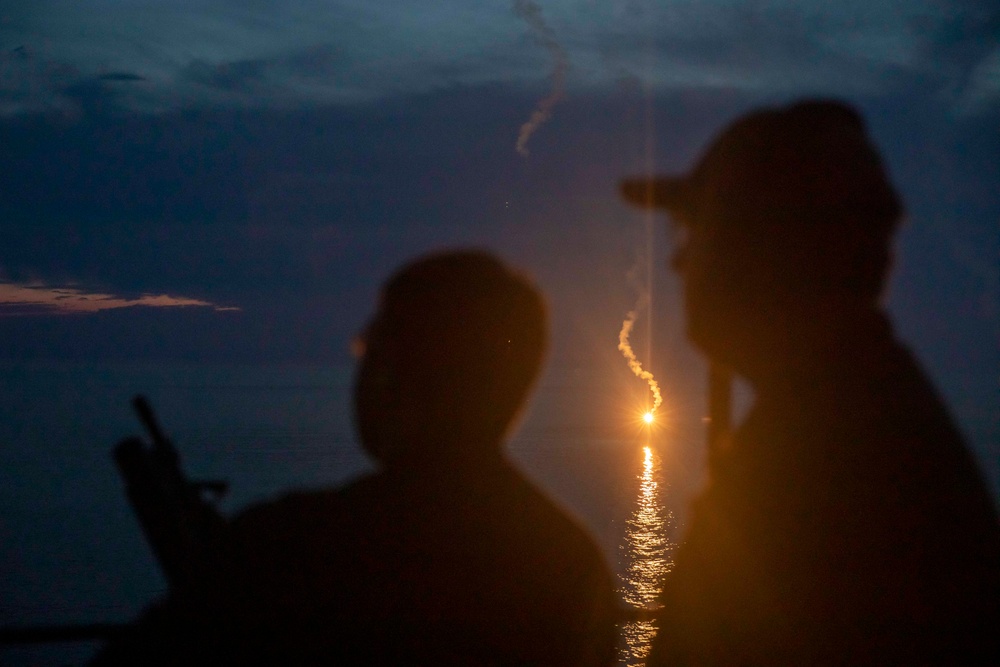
[[71, 551]]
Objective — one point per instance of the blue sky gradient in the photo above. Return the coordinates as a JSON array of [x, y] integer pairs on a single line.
[[283, 157]]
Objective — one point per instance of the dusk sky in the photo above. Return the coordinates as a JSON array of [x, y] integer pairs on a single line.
[[231, 180]]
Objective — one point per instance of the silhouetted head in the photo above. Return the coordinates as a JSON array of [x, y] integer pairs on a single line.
[[787, 220], [448, 360]]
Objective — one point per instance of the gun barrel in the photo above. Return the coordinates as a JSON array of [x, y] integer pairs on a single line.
[[148, 418]]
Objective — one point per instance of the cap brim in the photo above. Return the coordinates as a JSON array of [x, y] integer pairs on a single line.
[[669, 192]]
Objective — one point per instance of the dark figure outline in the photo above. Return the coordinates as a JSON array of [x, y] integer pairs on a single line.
[[844, 522], [447, 555]]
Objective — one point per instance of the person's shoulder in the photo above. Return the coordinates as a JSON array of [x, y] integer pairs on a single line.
[[538, 511], [556, 543], [896, 399], [300, 507], [894, 377]]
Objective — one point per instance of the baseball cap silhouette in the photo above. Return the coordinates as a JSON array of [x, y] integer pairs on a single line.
[[811, 157]]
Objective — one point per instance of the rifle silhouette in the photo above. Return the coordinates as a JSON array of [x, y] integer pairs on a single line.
[[185, 531], [178, 516]]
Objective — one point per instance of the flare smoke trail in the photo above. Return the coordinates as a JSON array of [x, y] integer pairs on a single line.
[[633, 362], [532, 14]]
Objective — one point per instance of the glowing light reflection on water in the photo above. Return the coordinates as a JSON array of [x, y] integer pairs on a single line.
[[648, 559]]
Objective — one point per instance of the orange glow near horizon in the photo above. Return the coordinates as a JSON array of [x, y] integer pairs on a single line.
[[40, 299]]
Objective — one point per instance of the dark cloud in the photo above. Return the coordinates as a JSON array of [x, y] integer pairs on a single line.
[[230, 76], [30, 82], [121, 76], [298, 54], [91, 96], [274, 82], [317, 61], [770, 50]]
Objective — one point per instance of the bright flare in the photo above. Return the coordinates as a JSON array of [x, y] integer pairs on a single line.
[[648, 417]]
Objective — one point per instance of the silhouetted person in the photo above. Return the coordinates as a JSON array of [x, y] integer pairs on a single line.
[[445, 556], [844, 521]]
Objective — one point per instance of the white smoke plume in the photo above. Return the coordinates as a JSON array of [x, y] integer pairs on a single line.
[[633, 362], [532, 14]]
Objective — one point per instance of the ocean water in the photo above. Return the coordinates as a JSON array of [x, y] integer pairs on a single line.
[[72, 552]]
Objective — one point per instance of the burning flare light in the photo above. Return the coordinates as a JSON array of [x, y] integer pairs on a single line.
[[634, 364]]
